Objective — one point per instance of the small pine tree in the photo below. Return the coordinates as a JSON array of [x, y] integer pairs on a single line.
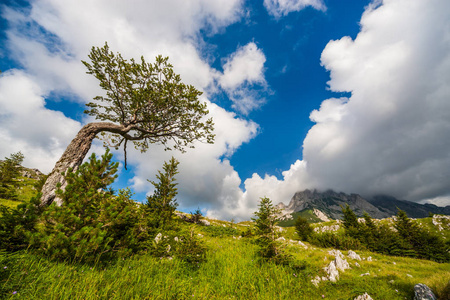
[[162, 204], [350, 222], [266, 219], [349, 219], [92, 223], [9, 172], [304, 229], [369, 232], [17, 224]]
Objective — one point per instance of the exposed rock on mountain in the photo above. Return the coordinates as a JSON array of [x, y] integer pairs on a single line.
[[330, 203]]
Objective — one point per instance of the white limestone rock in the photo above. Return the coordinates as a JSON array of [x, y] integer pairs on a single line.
[[365, 296], [353, 255], [333, 273], [316, 281], [341, 263], [336, 253], [321, 215]]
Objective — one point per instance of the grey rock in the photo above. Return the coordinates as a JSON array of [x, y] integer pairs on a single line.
[[333, 273], [205, 222], [341, 263], [423, 292], [353, 255], [365, 296]]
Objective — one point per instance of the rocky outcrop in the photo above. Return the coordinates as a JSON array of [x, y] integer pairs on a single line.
[[423, 292], [353, 255], [331, 228], [332, 270], [31, 173], [321, 215], [441, 222]]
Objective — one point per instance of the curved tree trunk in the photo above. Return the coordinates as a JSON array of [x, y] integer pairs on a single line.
[[73, 157]]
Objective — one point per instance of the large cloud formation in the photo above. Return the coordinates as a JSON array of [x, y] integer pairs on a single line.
[[392, 135]]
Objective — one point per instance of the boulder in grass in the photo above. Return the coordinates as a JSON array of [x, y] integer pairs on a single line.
[[353, 255], [333, 273], [423, 292], [365, 296]]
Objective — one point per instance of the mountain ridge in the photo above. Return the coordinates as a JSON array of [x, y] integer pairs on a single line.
[[382, 206]]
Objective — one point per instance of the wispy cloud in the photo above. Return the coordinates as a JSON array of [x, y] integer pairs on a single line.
[[280, 8]]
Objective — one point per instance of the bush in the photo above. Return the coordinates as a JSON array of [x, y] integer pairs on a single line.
[[335, 240], [182, 245], [17, 224], [304, 229], [93, 223]]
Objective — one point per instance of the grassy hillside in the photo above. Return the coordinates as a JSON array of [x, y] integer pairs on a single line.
[[232, 271], [25, 191]]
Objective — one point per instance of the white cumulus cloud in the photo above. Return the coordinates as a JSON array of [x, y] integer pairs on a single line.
[[27, 126], [243, 72]]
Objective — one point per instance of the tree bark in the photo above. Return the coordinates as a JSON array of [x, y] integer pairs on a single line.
[[73, 157]]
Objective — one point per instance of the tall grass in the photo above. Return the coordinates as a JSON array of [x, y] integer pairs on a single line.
[[232, 271]]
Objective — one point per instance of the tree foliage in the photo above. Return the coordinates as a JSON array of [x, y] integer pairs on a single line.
[[18, 224], [266, 218], [93, 222], [265, 221], [9, 172], [162, 204], [406, 238], [303, 228], [149, 99]]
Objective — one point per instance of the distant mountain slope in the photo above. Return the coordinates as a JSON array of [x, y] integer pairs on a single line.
[[414, 210], [379, 207]]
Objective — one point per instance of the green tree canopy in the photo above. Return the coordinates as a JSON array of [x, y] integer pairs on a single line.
[[162, 204], [149, 100]]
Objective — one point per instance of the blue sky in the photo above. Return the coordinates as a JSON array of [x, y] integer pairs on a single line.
[[344, 95]]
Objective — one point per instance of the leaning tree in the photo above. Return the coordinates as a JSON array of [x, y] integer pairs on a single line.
[[145, 103]]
